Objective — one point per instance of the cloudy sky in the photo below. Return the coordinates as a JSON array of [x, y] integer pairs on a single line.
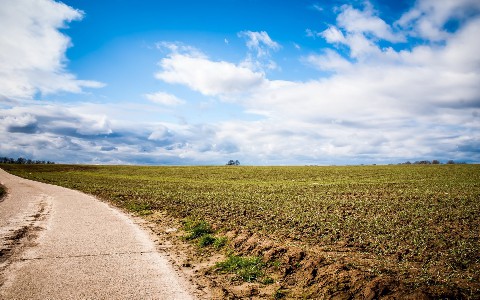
[[266, 82]]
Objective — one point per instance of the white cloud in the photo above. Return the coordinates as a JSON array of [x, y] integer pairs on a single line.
[[427, 19], [367, 23], [179, 48], [164, 99], [311, 33], [259, 45], [61, 133], [94, 125], [461, 52], [161, 133], [16, 122], [32, 49], [259, 42], [212, 78], [53, 119], [317, 7], [362, 48], [360, 31], [333, 35], [329, 61]]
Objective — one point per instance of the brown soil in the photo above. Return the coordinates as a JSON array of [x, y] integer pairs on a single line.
[[300, 271]]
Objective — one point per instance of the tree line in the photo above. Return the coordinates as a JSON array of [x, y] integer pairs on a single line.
[[233, 163], [433, 162], [24, 161]]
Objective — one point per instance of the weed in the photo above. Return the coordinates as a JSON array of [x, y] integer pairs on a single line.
[[197, 229], [268, 280], [206, 240], [247, 268], [220, 242], [202, 231]]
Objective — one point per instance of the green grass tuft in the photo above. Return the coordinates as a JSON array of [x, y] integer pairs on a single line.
[[197, 229], [220, 242], [268, 280], [247, 268], [202, 231], [206, 240]]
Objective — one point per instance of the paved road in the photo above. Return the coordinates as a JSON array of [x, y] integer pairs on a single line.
[[56, 243]]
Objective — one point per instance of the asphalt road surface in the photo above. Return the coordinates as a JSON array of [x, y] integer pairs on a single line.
[[57, 243]]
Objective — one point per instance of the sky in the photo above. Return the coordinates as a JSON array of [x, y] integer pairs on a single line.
[[291, 82]]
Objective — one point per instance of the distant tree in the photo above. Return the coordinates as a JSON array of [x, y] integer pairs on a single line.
[[23, 161], [233, 163], [450, 162], [435, 162], [422, 162]]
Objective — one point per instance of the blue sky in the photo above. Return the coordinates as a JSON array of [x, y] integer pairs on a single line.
[[265, 82]]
